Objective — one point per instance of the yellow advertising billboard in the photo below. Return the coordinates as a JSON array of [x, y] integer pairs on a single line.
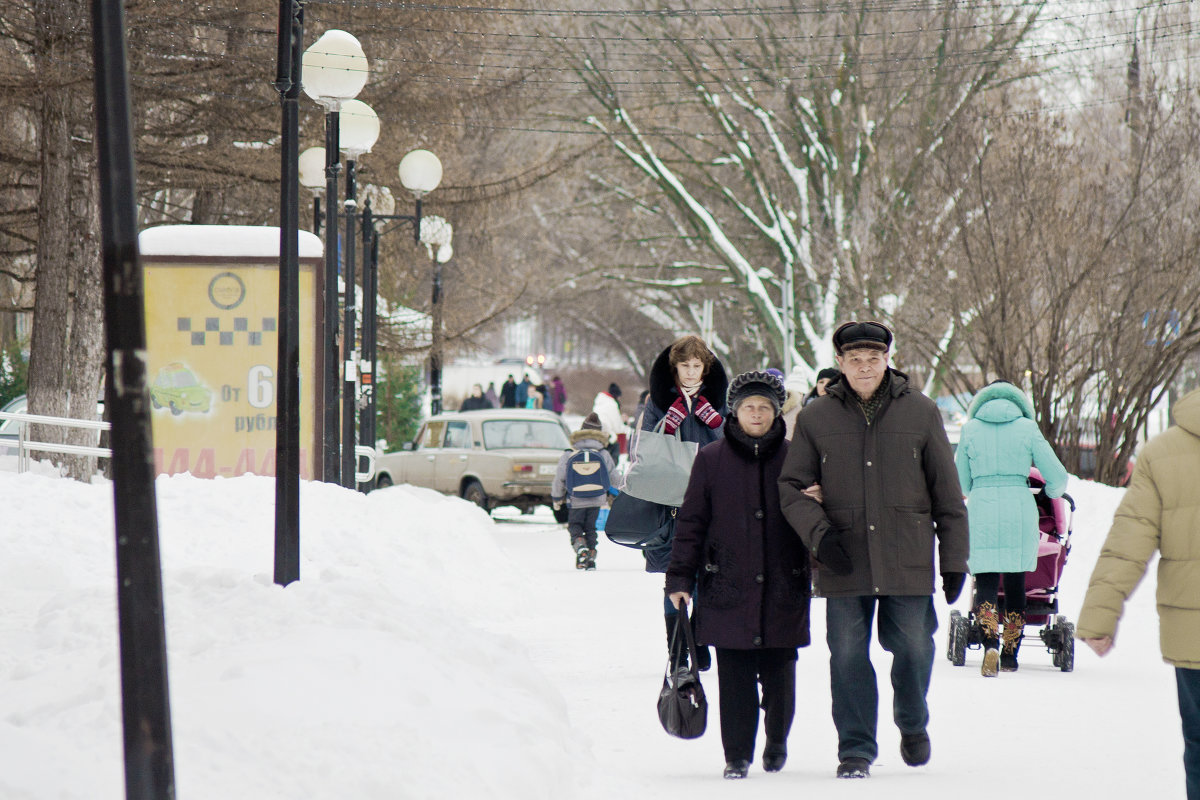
[[212, 321]]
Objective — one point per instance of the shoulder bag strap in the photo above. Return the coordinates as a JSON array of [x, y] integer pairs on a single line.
[[678, 642]]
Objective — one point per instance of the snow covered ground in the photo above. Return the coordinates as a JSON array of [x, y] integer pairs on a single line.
[[431, 652]]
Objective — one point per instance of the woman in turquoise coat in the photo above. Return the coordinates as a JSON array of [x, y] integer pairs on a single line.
[[999, 443]]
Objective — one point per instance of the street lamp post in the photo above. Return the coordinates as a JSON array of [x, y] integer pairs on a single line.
[[287, 371], [379, 200], [335, 70], [437, 233], [359, 132], [420, 172]]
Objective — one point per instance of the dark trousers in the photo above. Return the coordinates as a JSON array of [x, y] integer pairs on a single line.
[[987, 589], [581, 524], [1188, 683], [906, 628], [738, 675]]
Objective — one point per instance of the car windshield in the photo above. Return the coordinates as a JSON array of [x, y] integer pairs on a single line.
[[512, 433]]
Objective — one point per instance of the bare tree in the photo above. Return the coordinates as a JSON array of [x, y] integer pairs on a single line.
[[780, 146]]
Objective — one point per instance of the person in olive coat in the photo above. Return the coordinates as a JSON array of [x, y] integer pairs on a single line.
[[999, 443], [878, 451], [753, 594]]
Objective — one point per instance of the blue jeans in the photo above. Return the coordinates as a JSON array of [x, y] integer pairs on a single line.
[[1188, 682], [906, 628]]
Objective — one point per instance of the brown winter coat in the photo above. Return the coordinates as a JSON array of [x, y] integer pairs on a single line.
[[1160, 512], [890, 487], [754, 580]]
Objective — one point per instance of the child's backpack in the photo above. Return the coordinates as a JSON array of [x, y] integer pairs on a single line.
[[587, 477]]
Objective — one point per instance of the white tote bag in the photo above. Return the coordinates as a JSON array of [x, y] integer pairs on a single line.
[[661, 466]]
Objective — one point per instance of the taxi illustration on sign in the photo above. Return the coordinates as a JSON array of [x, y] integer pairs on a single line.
[[178, 389]]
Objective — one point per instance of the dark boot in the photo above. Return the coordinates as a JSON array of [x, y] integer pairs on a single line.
[[774, 756], [1014, 632], [989, 625]]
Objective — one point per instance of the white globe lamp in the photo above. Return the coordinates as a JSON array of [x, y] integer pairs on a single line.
[[334, 69], [312, 168], [358, 128], [420, 172]]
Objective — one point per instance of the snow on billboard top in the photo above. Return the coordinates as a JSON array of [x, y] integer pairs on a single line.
[[255, 241]]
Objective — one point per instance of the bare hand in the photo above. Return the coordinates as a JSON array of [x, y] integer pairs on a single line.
[[680, 597], [815, 493], [1100, 646]]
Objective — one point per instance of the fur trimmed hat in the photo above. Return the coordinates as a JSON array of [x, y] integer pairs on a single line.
[[756, 383], [855, 335]]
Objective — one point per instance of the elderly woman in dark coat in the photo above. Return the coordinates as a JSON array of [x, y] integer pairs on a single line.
[[753, 594]]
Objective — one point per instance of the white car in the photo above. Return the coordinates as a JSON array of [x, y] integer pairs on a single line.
[[491, 457]]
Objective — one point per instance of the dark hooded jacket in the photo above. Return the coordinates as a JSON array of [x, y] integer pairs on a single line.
[[664, 392], [753, 570], [890, 487]]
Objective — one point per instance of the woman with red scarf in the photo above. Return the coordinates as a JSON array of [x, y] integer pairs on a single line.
[[687, 392]]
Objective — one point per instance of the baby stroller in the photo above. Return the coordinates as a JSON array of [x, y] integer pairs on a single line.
[[1041, 587]]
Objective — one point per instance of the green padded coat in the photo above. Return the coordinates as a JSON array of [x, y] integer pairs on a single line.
[[997, 446]]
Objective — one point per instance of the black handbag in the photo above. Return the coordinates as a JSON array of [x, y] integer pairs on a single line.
[[642, 524], [682, 706]]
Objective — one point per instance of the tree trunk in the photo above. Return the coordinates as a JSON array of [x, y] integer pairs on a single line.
[[67, 338], [51, 308], [86, 353]]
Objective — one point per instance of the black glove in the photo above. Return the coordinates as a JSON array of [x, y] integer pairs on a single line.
[[832, 553], [952, 583]]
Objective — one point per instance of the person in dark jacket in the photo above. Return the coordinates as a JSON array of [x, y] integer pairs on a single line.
[[824, 378], [522, 396], [508, 393], [587, 497], [869, 485], [753, 595], [476, 401], [558, 395], [683, 378]]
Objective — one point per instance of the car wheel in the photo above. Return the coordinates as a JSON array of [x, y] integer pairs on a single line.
[[473, 493], [176, 410], [154, 402], [383, 481]]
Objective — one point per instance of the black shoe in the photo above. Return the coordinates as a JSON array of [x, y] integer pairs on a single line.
[[854, 768], [774, 757], [914, 748], [735, 770]]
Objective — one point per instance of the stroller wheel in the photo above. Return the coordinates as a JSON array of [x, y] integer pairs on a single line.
[[1066, 656], [956, 649]]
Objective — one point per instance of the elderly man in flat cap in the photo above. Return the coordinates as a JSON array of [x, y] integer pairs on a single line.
[[870, 486]]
